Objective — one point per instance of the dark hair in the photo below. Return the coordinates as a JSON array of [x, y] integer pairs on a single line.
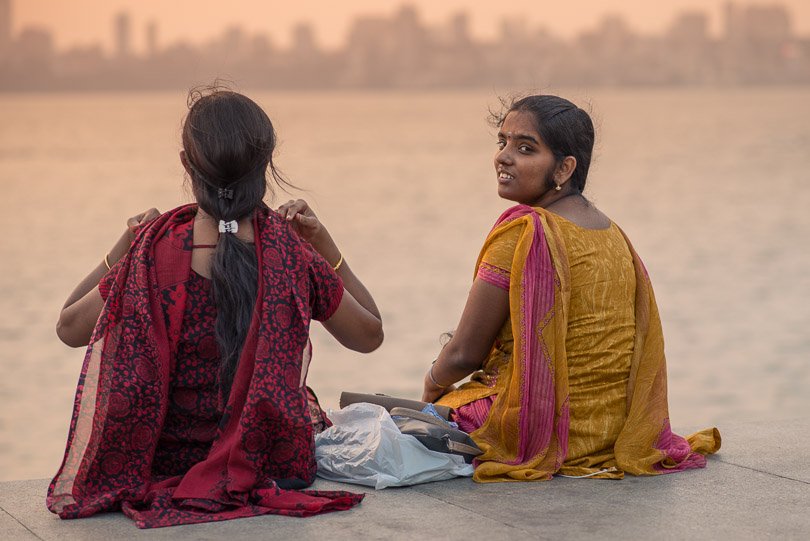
[[229, 143], [565, 128]]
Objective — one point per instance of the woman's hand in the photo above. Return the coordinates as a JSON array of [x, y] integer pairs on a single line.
[[121, 247], [432, 392], [303, 219], [83, 306], [137, 221], [356, 323], [484, 315]]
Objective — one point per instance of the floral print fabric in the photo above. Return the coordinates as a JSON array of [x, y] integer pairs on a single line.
[[262, 445]]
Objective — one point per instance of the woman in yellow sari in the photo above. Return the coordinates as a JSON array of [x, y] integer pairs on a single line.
[[560, 331]]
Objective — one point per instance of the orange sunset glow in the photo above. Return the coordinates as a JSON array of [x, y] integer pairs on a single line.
[[81, 22], [122, 45]]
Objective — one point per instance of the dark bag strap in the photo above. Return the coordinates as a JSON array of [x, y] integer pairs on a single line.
[[390, 402], [416, 414], [458, 448], [434, 433]]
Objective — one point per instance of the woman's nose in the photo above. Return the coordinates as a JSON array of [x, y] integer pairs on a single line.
[[503, 156]]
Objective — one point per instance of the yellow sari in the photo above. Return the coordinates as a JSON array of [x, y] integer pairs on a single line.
[[524, 421]]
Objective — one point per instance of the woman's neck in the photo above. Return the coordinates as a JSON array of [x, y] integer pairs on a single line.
[[568, 195], [573, 197]]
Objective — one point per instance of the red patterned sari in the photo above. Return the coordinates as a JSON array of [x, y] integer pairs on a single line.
[[263, 446]]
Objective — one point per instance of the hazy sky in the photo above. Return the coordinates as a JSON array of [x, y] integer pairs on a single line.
[[89, 21]]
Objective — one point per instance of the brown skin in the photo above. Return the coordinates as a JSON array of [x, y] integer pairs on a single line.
[[82, 308], [528, 173], [356, 323]]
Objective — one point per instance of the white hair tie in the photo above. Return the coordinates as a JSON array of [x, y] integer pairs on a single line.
[[228, 227]]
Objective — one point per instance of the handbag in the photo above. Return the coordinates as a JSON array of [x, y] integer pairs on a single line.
[[390, 402], [365, 446], [434, 433]]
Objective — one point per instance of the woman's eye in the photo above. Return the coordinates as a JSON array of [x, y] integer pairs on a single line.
[[501, 144], [525, 148]]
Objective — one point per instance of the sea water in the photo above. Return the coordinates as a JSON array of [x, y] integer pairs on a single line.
[[711, 185]]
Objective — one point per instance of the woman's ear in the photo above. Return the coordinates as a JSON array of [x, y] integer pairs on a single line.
[[185, 163], [565, 169]]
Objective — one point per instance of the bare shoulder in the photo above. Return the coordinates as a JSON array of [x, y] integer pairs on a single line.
[[582, 213]]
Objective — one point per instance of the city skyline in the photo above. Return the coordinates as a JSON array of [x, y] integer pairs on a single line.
[[83, 22], [756, 44]]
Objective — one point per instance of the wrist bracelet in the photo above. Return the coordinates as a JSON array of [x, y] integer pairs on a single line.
[[338, 264], [107, 261], [433, 380]]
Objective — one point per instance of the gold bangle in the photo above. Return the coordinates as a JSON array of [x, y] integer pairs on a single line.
[[433, 380], [107, 261], [338, 264]]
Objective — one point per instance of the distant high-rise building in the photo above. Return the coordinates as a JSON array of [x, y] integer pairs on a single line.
[[303, 40], [151, 38], [768, 23], [34, 50], [614, 32], [123, 35], [384, 52], [460, 29], [757, 43], [689, 54], [760, 23], [234, 43], [5, 26], [513, 31], [691, 27]]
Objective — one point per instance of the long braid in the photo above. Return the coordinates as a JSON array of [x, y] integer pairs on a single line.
[[229, 142]]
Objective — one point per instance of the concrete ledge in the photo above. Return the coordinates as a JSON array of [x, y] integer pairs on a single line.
[[757, 487]]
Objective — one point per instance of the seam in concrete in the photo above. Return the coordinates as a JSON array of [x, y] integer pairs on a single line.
[[20, 523], [763, 471], [476, 513]]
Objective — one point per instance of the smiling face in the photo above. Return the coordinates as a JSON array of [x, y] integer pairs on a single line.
[[525, 166]]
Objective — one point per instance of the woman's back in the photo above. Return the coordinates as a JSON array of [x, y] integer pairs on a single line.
[[599, 338], [599, 341]]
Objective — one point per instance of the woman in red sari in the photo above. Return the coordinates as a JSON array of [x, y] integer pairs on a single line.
[[192, 404]]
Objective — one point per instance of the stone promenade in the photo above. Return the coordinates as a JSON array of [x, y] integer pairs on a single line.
[[757, 487]]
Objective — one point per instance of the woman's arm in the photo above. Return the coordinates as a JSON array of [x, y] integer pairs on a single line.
[[484, 314], [356, 323], [82, 308]]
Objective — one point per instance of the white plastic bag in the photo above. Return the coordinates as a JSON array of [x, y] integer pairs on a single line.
[[365, 447]]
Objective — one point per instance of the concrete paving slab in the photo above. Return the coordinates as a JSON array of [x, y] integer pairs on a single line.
[[10, 528], [756, 487], [779, 447], [721, 500], [386, 514]]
